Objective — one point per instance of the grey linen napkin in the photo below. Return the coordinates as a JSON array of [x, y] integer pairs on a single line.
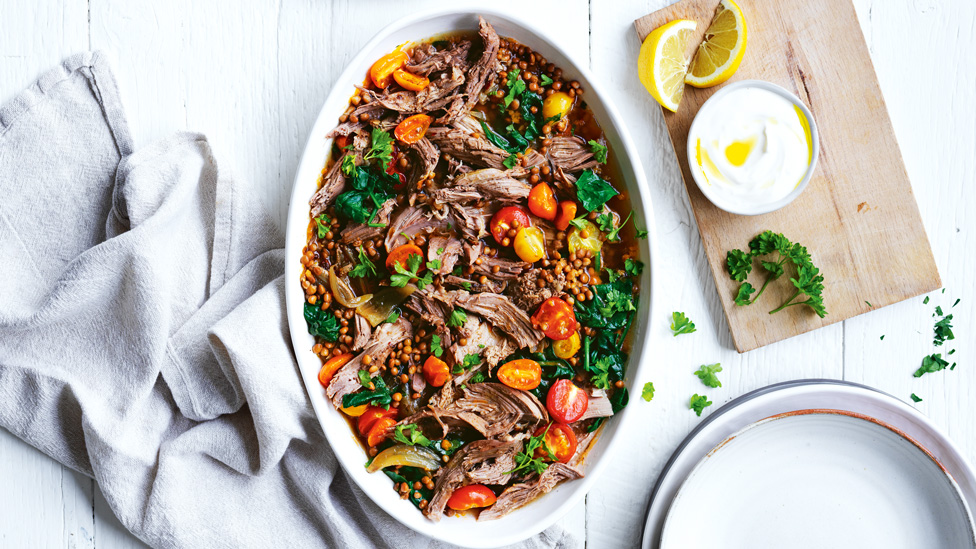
[[143, 338]]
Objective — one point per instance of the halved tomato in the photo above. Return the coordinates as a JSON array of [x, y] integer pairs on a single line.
[[471, 496], [371, 415], [542, 202], [382, 70], [556, 319], [524, 374], [567, 212], [400, 254], [509, 217], [409, 80], [561, 441], [566, 402], [332, 366], [412, 129], [377, 433]]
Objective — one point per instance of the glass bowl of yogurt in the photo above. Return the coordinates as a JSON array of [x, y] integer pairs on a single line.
[[752, 147]]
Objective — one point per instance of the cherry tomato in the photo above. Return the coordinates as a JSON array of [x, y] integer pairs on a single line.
[[377, 433], [436, 371], [587, 238], [561, 441], [557, 104], [412, 129], [400, 255], [332, 366], [509, 217], [369, 417], [530, 244], [410, 81], [524, 374], [542, 202], [567, 212], [355, 411], [556, 319], [394, 171], [471, 496], [566, 402], [342, 142], [567, 348], [382, 70]]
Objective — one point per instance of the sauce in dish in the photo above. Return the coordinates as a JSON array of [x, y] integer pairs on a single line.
[[752, 147]]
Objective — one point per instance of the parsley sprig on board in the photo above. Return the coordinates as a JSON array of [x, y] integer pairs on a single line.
[[808, 281]]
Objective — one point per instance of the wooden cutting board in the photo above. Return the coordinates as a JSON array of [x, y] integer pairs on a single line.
[[858, 217]]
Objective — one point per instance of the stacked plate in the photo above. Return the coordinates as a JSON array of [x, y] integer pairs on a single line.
[[814, 463]]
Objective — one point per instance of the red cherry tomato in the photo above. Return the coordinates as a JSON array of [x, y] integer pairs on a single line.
[[436, 371], [542, 202], [566, 402], [377, 433], [556, 319], [561, 441], [394, 171], [509, 217], [369, 417], [471, 496], [524, 374]]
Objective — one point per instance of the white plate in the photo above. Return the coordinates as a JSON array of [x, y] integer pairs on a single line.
[[905, 423], [818, 478], [540, 514]]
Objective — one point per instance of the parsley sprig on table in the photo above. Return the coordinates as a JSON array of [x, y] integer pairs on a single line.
[[706, 373], [647, 393], [699, 403], [681, 324], [808, 281]]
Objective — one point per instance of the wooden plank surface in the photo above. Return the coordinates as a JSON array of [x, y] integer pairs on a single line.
[[858, 216], [917, 46]]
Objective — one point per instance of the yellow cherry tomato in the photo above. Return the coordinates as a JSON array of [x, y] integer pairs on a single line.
[[567, 348], [587, 238], [530, 244], [355, 411], [557, 104]]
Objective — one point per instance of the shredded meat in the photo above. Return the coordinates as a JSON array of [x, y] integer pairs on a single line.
[[467, 459], [506, 269], [410, 222], [518, 495], [427, 156], [470, 221], [471, 148], [527, 294], [493, 286], [502, 314], [333, 183], [445, 249], [380, 345], [571, 154], [359, 232], [432, 60], [363, 332], [480, 77], [598, 406], [433, 311], [482, 340], [488, 183]]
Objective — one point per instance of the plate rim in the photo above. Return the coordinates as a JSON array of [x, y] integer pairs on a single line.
[[655, 519]]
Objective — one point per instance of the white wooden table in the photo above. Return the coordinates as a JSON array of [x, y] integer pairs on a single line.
[[253, 74]]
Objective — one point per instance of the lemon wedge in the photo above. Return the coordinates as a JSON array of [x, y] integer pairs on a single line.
[[663, 62], [721, 51]]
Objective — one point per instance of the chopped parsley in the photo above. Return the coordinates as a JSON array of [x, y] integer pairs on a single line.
[[915, 398], [511, 161], [931, 363], [364, 268], [322, 225], [925, 301], [706, 373], [614, 235], [592, 191], [605, 222], [599, 151], [580, 222], [526, 460], [648, 392], [633, 267], [348, 165], [470, 360], [435, 345], [403, 276], [381, 148], [943, 331], [545, 80], [699, 403], [681, 324], [410, 435], [516, 87], [457, 319]]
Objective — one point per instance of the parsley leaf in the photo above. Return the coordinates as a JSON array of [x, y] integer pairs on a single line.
[[738, 264], [510, 162], [526, 460], [321, 323], [681, 324], [322, 225], [614, 235], [410, 434], [516, 87], [348, 165], [605, 222], [381, 148], [364, 378], [545, 80], [706, 373], [599, 151], [457, 319], [742, 297], [470, 360], [808, 282], [404, 276], [648, 392], [931, 363], [580, 222], [915, 398], [435, 345], [641, 233], [394, 316], [699, 403], [365, 267], [925, 301], [434, 265], [592, 191], [633, 267]]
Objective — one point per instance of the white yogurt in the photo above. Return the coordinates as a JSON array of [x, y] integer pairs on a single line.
[[750, 147]]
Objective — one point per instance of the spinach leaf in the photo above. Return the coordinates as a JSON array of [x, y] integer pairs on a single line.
[[380, 396], [612, 307], [321, 323], [592, 191]]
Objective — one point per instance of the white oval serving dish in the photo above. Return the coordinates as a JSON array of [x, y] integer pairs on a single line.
[[542, 513]]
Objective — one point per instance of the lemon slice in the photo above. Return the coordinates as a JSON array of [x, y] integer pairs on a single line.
[[722, 50], [663, 61]]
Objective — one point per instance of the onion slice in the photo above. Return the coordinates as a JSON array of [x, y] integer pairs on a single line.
[[379, 308], [343, 292], [402, 454]]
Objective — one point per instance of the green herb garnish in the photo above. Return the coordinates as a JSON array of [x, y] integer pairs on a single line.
[[699, 403], [931, 363], [648, 392], [633, 267], [706, 373], [381, 148], [681, 324], [403, 276], [322, 225], [435, 345], [321, 323], [599, 151], [526, 460], [410, 435], [915, 398], [511, 161], [364, 268], [457, 319]]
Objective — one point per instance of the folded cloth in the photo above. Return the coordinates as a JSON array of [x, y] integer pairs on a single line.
[[143, 338]]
